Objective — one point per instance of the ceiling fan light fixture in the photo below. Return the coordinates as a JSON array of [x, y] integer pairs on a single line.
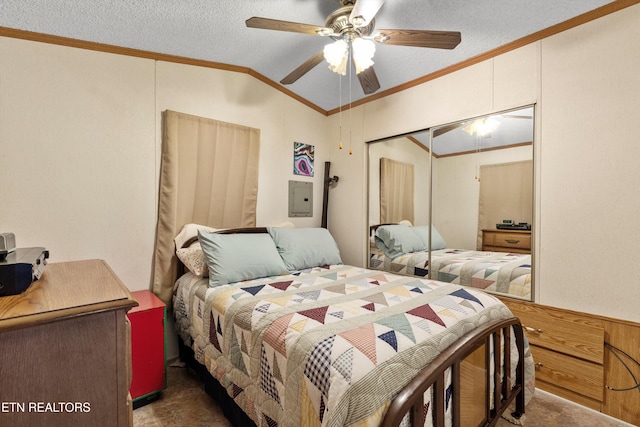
[[341, 68], [363, 51], [353, 24], [336, 54]]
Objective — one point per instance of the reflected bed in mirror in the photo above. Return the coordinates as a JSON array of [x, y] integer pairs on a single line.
[[479, 182]]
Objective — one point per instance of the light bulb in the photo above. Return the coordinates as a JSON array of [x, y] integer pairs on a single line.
[[363, 51], [341, 68], [336, 55]]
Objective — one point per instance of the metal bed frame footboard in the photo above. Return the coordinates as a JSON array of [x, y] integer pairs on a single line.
[[504, 391]]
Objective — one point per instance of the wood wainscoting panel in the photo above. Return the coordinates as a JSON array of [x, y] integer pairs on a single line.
[[624, 405], [576, 355]]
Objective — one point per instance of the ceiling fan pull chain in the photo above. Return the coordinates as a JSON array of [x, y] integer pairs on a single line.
[[350, 65], [340, 110]]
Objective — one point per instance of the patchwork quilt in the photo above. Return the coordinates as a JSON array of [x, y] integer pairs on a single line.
[[498, 272], [328, 346]]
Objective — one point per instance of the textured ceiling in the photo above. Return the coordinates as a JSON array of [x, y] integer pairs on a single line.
[[215, 31]]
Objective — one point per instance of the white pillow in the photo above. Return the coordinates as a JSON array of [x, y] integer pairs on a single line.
[[190, 231], [194, 260]]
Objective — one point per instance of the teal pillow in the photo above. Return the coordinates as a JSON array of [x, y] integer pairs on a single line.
[[236, 257], [302, 248], [437, 241], [398, 239]]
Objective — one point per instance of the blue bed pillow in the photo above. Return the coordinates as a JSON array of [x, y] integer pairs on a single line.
[[437, 241], [302, 248], [397, 239], [237, 257]]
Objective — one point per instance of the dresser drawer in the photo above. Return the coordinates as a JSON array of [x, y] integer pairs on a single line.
[[560, 330], [559, 370], [507, 239]]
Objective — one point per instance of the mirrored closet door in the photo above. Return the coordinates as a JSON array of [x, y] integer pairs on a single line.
[[457, 198]]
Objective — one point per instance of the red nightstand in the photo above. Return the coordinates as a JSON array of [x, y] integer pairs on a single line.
[[147, 348]]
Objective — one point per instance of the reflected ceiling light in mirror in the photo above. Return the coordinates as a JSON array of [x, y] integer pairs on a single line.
[[481, 127]]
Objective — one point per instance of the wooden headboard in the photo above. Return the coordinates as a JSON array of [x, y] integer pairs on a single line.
[[243, 230]]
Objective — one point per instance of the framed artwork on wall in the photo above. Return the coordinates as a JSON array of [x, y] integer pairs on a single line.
[[303, 155]]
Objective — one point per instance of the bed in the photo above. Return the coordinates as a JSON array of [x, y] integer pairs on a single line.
[[284, 334], [401, 249], [220, 296]]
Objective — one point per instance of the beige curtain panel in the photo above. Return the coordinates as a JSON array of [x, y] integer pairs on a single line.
[[396, 191], [506, 192], [208, 176]]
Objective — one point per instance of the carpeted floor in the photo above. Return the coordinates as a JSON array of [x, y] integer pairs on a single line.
[[184, 403]]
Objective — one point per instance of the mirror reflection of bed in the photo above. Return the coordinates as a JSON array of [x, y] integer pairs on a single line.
[[479, 182]]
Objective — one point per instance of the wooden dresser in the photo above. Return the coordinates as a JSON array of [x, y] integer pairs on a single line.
[[65, 349], [573, 361], [518, 241]]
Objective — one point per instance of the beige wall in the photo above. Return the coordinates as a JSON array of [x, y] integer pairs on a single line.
[[586, 87], [77, 154], [80, 141], [80, 147], [590, 146], [347, 216]]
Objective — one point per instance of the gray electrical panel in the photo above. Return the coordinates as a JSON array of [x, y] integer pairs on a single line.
[[300, 198]]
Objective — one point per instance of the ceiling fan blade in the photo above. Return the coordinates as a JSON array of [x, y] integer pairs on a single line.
[[295, 27], [368, 80], [419, 38], [364, 11], [514, 116], [446, 128], [303, 69]]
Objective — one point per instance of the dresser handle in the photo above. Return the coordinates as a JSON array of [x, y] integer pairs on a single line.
[[512, 241], [530, 329], [538, 365]]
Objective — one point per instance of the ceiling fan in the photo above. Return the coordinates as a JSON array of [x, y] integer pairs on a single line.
[[352, 28]]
